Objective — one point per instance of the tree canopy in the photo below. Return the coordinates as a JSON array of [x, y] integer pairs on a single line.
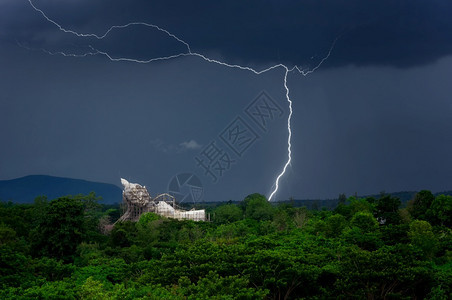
[[364, 249]]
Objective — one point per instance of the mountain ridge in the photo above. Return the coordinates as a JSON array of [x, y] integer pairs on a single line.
[[26, 189]]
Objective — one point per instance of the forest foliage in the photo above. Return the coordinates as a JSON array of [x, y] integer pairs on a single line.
[[363, 249]]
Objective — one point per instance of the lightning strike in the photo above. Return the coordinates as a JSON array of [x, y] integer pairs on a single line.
[[286, 69], [100, 37], [289, 139]]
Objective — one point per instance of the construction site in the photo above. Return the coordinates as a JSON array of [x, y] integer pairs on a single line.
[[137, 201]]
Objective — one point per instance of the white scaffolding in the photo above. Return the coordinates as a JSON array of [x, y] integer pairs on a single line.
[[137, 201]]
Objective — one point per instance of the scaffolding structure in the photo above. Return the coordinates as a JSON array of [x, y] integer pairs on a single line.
[[138, 201]]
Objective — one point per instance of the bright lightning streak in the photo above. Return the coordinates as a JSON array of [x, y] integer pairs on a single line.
[[190, 53], [289, 139], [100, 37], [289, 118]]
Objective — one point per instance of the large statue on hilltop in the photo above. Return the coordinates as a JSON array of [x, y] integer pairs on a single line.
[[135, 193], [137, 200]]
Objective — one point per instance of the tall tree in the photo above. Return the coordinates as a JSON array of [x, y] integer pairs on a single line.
[[61, 229], [258, 208], [420, 204], [387, 210], [440, 211]]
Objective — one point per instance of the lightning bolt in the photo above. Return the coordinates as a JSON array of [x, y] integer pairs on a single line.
[[189, 52]]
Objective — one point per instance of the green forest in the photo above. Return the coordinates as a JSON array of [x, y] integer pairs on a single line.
[[367, 248]]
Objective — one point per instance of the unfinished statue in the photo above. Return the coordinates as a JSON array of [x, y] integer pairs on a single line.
[[138, 201]]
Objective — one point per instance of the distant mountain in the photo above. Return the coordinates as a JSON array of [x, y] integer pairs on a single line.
[[26, 189]]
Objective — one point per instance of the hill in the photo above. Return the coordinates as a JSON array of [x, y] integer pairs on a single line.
[[26, 189]]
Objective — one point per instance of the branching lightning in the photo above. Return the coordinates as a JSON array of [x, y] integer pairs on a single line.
[[286, 69]]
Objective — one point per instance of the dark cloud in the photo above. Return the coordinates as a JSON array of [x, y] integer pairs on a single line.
[[397, 33], [357, 128]]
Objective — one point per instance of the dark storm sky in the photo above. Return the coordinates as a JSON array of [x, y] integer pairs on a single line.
[[375, 116]]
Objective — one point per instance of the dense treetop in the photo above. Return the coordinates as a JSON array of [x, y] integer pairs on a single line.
[[364, 248]]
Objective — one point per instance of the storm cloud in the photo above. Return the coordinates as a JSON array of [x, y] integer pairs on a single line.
[[257, 33], [375, 116]]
